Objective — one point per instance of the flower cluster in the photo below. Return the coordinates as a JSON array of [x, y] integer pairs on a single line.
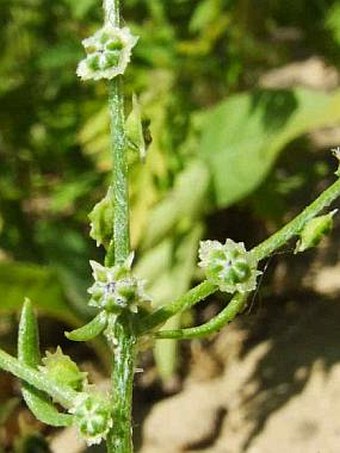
[[229, 266], [108, 53], [116, 289], [92, 416]]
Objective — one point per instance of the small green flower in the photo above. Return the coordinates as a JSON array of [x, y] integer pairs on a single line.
[[92, 416], [108, 53], [116, 289], [229, 266]]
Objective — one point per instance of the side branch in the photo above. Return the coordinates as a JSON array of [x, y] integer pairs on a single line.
[[260, 252], [235, 306], [294, 227], [64, 395]]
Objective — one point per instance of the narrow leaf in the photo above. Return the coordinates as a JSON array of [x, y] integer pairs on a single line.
[[134, 129], [28, 337], [102, 220], [42, 408], [28, 353], [89, 330], [62, 394]]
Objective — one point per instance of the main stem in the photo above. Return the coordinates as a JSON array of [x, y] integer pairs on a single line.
[[123, 347]]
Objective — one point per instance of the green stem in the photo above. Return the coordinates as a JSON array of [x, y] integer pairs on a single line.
[[261, 251], [294, 227], [120, 244], [63, 395], [119, 439], [235, 306], [120, 334], [112, 12], [160, 316]]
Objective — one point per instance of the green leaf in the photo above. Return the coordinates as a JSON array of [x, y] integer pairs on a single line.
[[102, 220], [205, 13], [90, 330], [184, 203], [38, 283], [42, 407], [313, 232], [134, 129], [28, 353], [65, 195], [28, 337], [80, 9], [168, 268], [244, 135]]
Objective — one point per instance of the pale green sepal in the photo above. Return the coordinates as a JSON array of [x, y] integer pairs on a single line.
[[90, 330], [134, 129], [62, 370], [101, 218], [314, 231], [28, 353]]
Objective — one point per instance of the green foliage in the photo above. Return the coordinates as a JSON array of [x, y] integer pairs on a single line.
[[204, 156], [40, 284], [244, 135], [29, 354], [90, 330], [101, 220], [61, 369], [314, 231], [134, 129], [54, 149]]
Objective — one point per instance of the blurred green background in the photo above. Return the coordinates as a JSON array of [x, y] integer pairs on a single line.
[[225, 129]]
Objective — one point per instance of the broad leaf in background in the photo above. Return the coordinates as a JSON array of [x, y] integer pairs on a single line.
[[183, 204], [168, 269], [244, 135], [40, 284]]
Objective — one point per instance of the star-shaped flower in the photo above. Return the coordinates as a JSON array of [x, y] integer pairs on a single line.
[[116, 289], [229, 266], [108, 53]]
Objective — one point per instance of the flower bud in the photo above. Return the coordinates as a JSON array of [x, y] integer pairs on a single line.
[[92, 416], [314, 231]]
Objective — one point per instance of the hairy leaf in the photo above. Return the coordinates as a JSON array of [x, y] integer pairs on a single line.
[[28, 353], [90, 330]]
